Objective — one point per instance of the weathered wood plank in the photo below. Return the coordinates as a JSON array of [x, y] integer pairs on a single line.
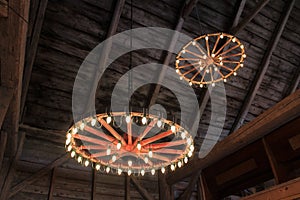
[[52, 184], [3, 142], [145, 194], [127, 187], [6, 95], [3, 8], [164, 188]]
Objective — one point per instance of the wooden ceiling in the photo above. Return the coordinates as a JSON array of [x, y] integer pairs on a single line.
[[61, 33]]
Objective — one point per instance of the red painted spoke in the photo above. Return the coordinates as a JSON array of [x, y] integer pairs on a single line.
[[188, 65], [145, 132], [207, 47], [232, 55], [89, 147], [216, 44], [129, 132], [232, 48], [156, 137], [165, 144], [225, 67], [100, 134], [169, 151], [112, 131], [89, 139]]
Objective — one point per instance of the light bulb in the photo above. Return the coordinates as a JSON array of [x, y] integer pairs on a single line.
[[79, 159], [82, 126], [201, 85], [194, 43], [177, 61], [114, 158], [128, 119], [234, 73], [177, 71], [129, 172], [69, 135], [119, 171], [233, 39], [222, 36], [225, 80], [244, 56], [204, 57], [200, 62], [173, 128], [107, 169], [190, 153], [220, 58], [186, 159], [242, 46], [242, 65], [213, 84], [190, 83], [183, 135], [183, 51], [69, 148], [129, 163], [73, 153], [163, 170], [152, 171], [75, 130], [201, 68], [159, 123], [119, 145], [179, 164], [108, 119], [139, 146], [207, 71], [213, 55], [68, 141], [172, 167], [206, 37], [146, 160], [144, 120], [93, 122], [150, 154], [221, 63], [192, 148], [108, 151], [142, 172], [189, 141], [97, 167], [86, 163]]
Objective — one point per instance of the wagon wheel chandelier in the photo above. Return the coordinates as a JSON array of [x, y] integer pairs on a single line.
[[210, 58], [98, 141]]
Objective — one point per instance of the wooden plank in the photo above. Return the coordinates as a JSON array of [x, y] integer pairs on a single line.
[[52, 184], [164, 188], [188, 191], [185, 12], [32, 49], [247, 19], [264, 66], [4, 195], [6, 95], [288, 190], [280, 114], [295, 142], [3, 142], [145, 194], [241, 5], [205, 193], [278, 170], [94, 188], [3, 8], [38, 174], [127, 187], [294, 83]]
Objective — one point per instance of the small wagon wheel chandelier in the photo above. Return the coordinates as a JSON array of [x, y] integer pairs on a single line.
[[210, 58], [99, 142]]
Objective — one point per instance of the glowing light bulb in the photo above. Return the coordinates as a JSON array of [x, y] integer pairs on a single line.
[[189, 141], [183, 51], [144, 120], [242, 46], [69, 148], [172, 167], [185, 159], [108, 119], [114, 158], [201, 85], [69, 135], [213, 55], [190, 83], [177, 71], [119, 145], [213, 84], [142, 172], [159, 123], [179, 164], [204, 57], [97, 167], [129, 172], [221, 63], [225, 80], [242, 65], [201, 68], [163, 170], [146, 160], [220, 58], [206, 37], [73, 153], [200, 62], [75, 130], [82, 126], [139, 146], [93, 122], [222, 36], [128, 119], [233, 39], [207, 71], [68, 141], [129, 163], [244, 56], [152, 171], [119, 171], [216, 69], [234, 73], [108, 151], [192, 148], [183, 135], [180, 78], [177, 61], [107, 169], [79, 159], [173, 128], [194, 43], [190, 154], [86, 163], [150, 154]]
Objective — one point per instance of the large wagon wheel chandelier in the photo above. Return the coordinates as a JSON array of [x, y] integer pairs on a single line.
[[99, 141], [210, 58]]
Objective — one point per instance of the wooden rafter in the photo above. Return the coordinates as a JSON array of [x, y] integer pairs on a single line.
[[31, 50], [6, 95], [294, 84], [52, 182], [185, 12], [281, 113], [127, 187], [263, 66], [3, 8], [94, 189], [188, 191], [164, 188], [144, 193]]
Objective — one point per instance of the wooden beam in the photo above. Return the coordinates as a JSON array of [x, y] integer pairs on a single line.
[[188, 191], [3, 8], [4, 195], [283, 112], [263, 66], [241, 5], [127, 187], [52, 182], [184, 13], [145, 194], [94, 188], [3, 142], [38, 174], [247, 19], [6, 95], [278, 170], [288, 190], [31, 50], [294, 83], [164, 188]]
